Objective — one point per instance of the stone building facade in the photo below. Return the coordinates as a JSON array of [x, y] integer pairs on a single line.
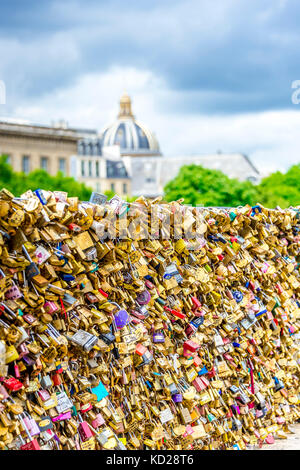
[[74, 152], [30, 146]]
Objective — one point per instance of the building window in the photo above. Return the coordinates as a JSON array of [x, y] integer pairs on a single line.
[[82, 168], [8, 158], [90, 168], [124, 188], [97, 169], [25, 164], [62, 165], [44, 163], [112, 187], [81, 148], [98, 149]]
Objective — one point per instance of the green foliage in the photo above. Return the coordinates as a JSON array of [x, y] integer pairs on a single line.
[[202, 186], [109, 193], [18, 183], [282, 189]]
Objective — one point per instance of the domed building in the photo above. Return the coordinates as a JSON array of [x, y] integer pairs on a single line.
[[134, 139], [126, 159]]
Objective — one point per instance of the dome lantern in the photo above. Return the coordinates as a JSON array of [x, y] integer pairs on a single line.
[[125, 107]]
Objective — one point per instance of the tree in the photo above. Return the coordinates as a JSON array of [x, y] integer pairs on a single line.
[[18, 183], [202, 186], [282, 189]]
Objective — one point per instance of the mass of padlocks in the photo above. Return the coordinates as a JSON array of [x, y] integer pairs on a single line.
[[146, 342]]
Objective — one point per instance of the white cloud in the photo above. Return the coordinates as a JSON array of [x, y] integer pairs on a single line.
[[270, 138]]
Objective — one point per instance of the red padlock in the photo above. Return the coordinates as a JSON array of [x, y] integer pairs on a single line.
[[13, 384], [74, 228], [212, 372], [56, 379], [175, 312], [191, 345], [196, 303], [32, 445], [84, 408]]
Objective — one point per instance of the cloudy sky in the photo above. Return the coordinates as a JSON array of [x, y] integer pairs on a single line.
[[204, 75]]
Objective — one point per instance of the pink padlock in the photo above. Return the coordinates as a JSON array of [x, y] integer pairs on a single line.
[[270, 439], [13, 293], [43, 394], [98, 421], [84, 431], [51, 307], [188, 430], [200, 383], [31, 425]]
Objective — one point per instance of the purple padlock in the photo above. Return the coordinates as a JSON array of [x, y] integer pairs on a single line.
[[177, 398], [28, 360], [158, 337], [121, 319], [143, 298], [236, 408]]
